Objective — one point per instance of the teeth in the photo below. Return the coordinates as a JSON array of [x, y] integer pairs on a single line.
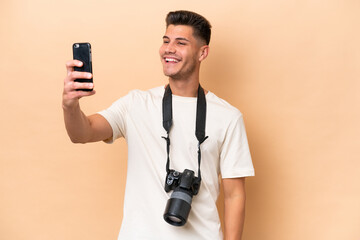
[[171, 60]]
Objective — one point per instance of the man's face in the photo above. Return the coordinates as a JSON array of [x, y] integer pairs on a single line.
[[179, 52]]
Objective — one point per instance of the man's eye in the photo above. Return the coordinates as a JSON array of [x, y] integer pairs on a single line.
[[181, 43]]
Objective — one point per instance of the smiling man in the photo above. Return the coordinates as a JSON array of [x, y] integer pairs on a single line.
[[180, 138]]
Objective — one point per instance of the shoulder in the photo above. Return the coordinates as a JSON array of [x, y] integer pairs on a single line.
[[221, 107]]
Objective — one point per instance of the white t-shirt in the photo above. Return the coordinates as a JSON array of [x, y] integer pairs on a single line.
[[138, 118]]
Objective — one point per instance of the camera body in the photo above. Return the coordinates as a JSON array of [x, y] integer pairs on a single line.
[[185, 180], [184, 185]]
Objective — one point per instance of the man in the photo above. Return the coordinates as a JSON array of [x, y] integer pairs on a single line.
[[138, 117]]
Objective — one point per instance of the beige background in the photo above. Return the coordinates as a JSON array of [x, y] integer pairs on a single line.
[[292, 68]]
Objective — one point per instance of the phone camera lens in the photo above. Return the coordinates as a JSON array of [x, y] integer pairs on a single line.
[[77, 45]]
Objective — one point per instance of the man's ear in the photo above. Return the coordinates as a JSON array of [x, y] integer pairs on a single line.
[[204, 52]]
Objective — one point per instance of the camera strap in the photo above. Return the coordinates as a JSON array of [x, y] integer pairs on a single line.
[[200, 122]]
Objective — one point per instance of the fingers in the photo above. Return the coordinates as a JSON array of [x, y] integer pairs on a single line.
[[71, 93], [71, 96], [72, 76], [71, 86], [79, 75], [71, 64]]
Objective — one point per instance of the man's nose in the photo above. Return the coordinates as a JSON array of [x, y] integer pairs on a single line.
[[170, 48]]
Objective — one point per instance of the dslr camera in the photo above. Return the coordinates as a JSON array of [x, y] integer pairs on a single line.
[[184, 185]]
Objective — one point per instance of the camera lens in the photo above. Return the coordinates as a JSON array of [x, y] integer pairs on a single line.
[[174, 219], [178, 208]]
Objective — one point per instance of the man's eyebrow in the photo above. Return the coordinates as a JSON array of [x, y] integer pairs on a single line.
[[178, 38], [182, 39]]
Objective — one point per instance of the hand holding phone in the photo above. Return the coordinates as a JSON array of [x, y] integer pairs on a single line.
[[82, 52]]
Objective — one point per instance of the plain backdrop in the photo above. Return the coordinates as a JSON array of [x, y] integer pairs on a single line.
[[292, 67]]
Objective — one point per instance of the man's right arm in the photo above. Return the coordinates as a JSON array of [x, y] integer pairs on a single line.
[[80, 128]]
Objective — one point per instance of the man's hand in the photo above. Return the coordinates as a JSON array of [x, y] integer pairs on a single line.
[[70, 95]]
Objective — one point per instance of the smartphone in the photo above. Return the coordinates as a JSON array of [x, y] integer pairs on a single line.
[[82, 52]]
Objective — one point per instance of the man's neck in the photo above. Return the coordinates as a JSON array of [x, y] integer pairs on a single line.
[[184, 88]]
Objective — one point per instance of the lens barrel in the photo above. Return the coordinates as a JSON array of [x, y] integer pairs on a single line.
[[178, 208]]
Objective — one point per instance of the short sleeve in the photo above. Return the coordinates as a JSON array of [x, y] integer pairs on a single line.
[[235, 158], [116, 115]]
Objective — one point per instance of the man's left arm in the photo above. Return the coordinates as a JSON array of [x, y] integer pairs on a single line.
[[234, 203]]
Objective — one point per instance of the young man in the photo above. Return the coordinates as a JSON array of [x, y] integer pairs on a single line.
[[138, 117]]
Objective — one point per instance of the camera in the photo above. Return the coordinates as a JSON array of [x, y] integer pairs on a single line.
[[185, 186]]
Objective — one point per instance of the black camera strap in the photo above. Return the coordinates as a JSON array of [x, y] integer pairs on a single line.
[[200, 122]]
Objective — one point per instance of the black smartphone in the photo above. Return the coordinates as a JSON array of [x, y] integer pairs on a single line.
[[82, 52]]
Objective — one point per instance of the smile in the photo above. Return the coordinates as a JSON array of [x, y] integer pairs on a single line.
[[173, 60]]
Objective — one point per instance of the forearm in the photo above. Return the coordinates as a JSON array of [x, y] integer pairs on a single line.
[[234, 211], [77, 124], [234, 216]]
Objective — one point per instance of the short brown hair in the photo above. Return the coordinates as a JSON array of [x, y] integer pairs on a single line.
[[200, 25]]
